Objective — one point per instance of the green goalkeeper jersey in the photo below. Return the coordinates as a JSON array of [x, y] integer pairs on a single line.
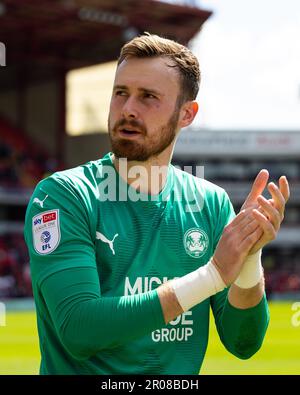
[[98, 251]]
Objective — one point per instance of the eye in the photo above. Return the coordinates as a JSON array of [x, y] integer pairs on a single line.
[[149, 96], [120, 93]]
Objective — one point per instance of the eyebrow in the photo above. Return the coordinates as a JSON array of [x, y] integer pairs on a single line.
[[143, 90]]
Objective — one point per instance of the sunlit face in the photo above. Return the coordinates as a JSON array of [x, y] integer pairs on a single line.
[[143, 117]]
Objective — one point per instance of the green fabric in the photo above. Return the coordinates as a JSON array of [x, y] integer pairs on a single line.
[[86, 323], [96, 262], [241, 330]]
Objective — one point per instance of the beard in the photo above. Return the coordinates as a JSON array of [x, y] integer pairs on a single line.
[[143, 150]]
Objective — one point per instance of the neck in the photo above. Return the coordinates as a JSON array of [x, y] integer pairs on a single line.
[[149, 176]]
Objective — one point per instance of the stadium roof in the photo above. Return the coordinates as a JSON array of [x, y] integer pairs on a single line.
[[77, 33]]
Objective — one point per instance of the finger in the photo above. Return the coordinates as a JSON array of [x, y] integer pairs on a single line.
[[272, 213], [245, 216], [268, 228], [284, 187], [279, 200], [253, 227], [247, 223], [246, 226], [258, 187], [251, 239], [241, 216]]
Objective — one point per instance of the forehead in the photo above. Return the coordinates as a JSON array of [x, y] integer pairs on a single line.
[[152, 73]]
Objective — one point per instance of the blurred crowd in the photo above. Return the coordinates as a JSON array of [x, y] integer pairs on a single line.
[[19, 168], [282, 271], [22, 165], [15, 278]]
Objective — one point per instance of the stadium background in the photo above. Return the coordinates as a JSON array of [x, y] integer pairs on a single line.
[[53, 116]]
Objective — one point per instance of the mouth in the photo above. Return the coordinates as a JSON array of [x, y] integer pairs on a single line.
[[128, 133]]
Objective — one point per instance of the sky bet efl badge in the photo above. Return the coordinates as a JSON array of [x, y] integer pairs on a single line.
[[46, 232]]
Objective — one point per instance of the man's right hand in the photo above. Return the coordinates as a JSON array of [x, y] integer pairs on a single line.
[[235, 244]]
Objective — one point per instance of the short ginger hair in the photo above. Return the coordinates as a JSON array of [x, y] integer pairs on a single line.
[[182, 58]]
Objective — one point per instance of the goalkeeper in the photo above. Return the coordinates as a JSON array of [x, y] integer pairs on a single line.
[[128, 254]]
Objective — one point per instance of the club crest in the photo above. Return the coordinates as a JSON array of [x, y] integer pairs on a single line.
[[195, 242]]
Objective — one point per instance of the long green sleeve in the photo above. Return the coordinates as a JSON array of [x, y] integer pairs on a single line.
[[242, 331], [86, 322]]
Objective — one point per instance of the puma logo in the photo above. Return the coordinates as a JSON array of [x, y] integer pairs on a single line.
[[40, 202], [100, 236]]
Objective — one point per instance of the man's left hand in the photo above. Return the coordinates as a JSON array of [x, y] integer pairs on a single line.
[[269, 213]]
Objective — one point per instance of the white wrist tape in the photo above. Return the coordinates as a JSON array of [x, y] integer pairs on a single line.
[[251, 272], [197, 286]]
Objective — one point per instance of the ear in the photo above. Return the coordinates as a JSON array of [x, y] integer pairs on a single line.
[[187, 113]]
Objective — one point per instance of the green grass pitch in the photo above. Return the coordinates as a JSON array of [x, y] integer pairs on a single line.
[[280, 353]]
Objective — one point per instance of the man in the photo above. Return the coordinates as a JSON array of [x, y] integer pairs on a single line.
[[125, 265]]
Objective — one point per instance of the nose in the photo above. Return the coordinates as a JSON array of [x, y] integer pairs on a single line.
[[130, 109]]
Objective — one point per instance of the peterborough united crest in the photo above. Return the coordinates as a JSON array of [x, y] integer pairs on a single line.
[[195, 242]]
